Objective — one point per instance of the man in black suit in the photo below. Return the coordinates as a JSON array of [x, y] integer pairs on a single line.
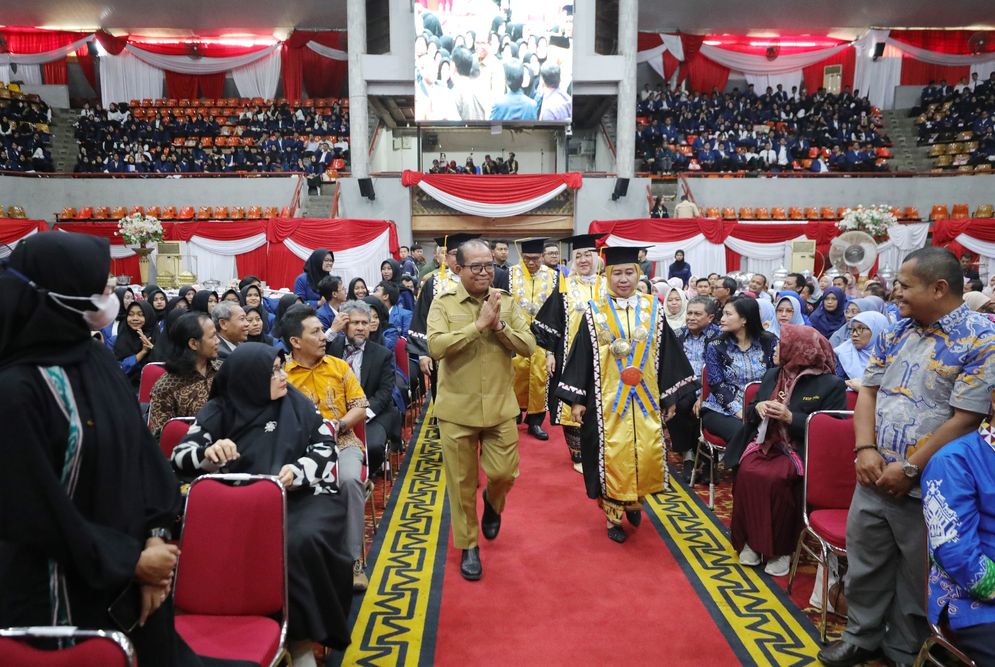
[[232, 327], [373, 365]]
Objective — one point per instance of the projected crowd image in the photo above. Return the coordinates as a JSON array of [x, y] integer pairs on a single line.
[[494, 60]]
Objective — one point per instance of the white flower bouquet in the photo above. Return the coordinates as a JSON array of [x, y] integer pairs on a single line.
[[875, 220], [138, 229]]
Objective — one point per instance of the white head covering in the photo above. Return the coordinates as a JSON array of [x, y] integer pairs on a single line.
[[680, 319], [855, 361], [796, 317], [767, 314]]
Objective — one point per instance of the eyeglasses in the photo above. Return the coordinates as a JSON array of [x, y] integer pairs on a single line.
[[858, 330], [279, 371], [477, 269]]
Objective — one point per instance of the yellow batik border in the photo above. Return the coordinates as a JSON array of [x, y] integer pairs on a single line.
[[760, 623], [409, 556]]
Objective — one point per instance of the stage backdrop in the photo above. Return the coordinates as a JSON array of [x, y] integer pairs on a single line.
[[722, 245], [274, 250]]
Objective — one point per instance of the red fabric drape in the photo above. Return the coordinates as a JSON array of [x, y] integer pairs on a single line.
[[917, 73], [14, 229], [88, 64], [24, 41], [665, 231], [203, 50], [303, 69], [495, 189], [943, 41], [113, 45], [334, 234], [691, 45], [945, 231], [705, 74], [813, 74], [647, 40], [670, 65], [194, 86]]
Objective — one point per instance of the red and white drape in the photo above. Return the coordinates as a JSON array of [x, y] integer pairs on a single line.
[[975, 234], [15, 230], [274, 250], [492, 196], [722, 245]]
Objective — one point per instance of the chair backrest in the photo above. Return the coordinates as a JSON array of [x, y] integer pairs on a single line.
[[172, 433], [360, 431], [91, 648], [851, 400], [151, 372], [401, 356], [233, 549], [748, 393], [830, 476], [704, 384]]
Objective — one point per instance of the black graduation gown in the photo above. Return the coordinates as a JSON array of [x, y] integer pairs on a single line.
[[549, 326], [579, 385]]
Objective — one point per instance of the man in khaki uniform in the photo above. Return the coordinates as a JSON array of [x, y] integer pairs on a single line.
[[473, 333]]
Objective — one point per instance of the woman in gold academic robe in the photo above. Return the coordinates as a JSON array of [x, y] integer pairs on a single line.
[[623, 376]]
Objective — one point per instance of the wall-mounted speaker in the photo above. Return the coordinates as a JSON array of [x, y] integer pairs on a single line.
[[878, 50], [621, 189], [366, 188]]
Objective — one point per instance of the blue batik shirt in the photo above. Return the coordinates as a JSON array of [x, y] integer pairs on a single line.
[[923, 373], [958, 502]]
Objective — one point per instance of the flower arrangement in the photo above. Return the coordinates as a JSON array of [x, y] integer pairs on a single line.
[[874, 220], [138, 229]]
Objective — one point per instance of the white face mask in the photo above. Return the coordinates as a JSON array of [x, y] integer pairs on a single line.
[[107, 308]]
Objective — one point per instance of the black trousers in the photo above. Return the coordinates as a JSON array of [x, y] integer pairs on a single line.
[[976, 642], [724, 426]]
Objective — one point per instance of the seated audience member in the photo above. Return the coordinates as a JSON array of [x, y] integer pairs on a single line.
[[282, 306], [255, 423], [767, 495], [399, 317], [155, 296], [853, 356], [675, 304], [698, 331], [204, 301], [382, 331], [252, 297], [830, 315], [767, 315], [854, 307], [958, 501], [231, 325], [318, 265], [357, 290], [256, 317], [703, 287], [741, 355], [758, 285], [90, 551], [232, 296], [136, 340], [125, 297], [186, 385], [335, 391], [332, 290], [979, 303], [373, 364]]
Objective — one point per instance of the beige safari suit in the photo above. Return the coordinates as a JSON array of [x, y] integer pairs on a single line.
[[475, 403]]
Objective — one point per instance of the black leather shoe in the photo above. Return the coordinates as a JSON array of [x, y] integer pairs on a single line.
[[616, 534], [842, 653], [518, 419], [469, 565], [635, 517], [490, 523], [688, 468], [536, 432]]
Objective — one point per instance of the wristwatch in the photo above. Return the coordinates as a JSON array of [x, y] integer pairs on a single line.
[[503, 325], [163, 534], [911, 470]]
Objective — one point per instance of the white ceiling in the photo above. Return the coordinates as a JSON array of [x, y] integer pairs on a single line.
[[208, 17]]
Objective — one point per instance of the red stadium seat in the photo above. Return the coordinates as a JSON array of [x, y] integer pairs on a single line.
[[761, 213], [151, 372], [68, 213], [119, 212], [168, 213], [204, 213], [102, 213], [172, 434], [82, 648], [220, 212], [745, 213], [960, 211], [712, 212], [85, 213], [237, 213], [811, 213], [778, 214], [151, 211], [186, 213], [137, 210], [795, 213], [939, 212]]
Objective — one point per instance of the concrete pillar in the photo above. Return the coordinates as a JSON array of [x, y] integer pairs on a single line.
[[625, 140], [359, 114]]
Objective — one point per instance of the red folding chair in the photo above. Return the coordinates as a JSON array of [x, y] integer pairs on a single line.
[[173, 433], [231, 581], [830, 478], [851, 400], [151, 372], [85, 648]]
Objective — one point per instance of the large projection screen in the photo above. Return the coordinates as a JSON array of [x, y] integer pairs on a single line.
[[493, 61]]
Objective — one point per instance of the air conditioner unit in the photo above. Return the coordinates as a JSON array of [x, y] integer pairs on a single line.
[[802, 256]]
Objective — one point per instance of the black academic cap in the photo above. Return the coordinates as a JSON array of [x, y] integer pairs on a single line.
[[532, 246], [454, 241], [582, 241], [621, 255]]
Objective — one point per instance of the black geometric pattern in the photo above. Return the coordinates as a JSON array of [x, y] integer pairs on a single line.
[[409, 556], [762, 626]]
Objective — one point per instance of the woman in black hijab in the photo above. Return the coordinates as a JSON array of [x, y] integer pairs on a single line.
[[232, 295], [187, 292], [86, 496], [163, 348], [357, 289], [385, 334], [124, 298], [317, 266], [136, 339], [160, 305], [204, 301], [256, 316], [257, 423], [252, 296], [390, 270]]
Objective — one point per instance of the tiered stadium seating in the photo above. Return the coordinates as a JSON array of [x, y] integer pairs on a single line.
[[25, 136], [957, 127]]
